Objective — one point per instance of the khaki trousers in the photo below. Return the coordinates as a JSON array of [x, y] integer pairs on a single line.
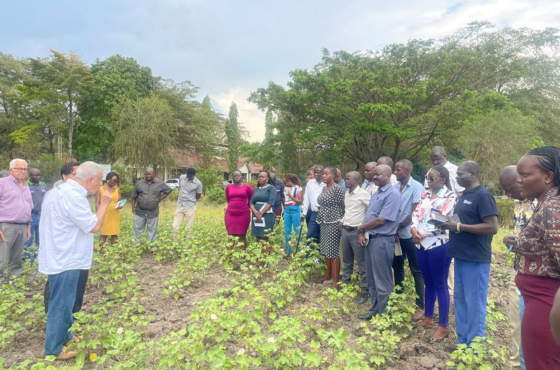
[[451, 278], [11, 249], [188, 215], [515, 325]]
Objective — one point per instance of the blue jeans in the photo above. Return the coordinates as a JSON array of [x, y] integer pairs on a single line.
[[521, 311], [434, 265], [292, 215], [34, 235], [471, 293], [313, 229], [62, 287]]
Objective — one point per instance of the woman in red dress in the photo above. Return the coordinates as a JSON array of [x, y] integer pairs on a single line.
[[238, 214]]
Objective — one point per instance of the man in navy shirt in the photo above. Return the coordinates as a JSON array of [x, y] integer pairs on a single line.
[[471, 246], [380, 224]]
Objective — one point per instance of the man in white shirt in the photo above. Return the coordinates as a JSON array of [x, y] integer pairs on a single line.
[[310, 206], [67, 227], [438, 157], [356, 201]]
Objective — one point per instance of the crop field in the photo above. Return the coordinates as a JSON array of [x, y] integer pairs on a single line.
[[204, 303]]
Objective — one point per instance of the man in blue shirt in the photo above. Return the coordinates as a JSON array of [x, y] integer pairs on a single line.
[[411, 191], [380, 227], [470, 243]]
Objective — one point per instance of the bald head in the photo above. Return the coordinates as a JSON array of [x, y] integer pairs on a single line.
[[338, 177], [149, 174], [387, 161], [508, 182], [403, 168], [34, 176], [368, 170], [468, 175], [471, 167], [438, 156], [352, 180], [272, 177], [382, 175]]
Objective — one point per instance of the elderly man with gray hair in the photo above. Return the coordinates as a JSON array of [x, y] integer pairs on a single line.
[[67, 227], [15, 217]]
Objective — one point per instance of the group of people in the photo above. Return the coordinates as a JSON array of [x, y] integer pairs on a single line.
[[60, 223], [450, 220], [378, 223]]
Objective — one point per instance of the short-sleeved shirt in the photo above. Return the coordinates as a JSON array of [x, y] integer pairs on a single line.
[[409, 196], [37, 194], [65, 225], [473, 206], [262, 196], [385, 203], [188, 189], [537, 247], [15, 201], [148, 197], [279, 185]]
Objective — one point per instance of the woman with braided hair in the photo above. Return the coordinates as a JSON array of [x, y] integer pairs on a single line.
[[537, 256], [432, 256]]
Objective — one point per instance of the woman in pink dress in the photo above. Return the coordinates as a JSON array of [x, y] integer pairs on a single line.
[[238, 214]]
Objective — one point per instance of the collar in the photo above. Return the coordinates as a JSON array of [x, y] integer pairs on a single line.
[[13, 178], [32, 184], [476, 188], [440, 193], [76, 186], [552, 193], [389, 185], [264, 187]]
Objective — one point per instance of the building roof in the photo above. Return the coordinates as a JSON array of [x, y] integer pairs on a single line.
[[185, 158]]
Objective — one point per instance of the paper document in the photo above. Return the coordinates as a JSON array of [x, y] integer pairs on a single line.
[[398, 249], [259, 224]]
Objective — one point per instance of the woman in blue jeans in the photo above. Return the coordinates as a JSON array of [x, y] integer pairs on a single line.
[[432, 244], [293, 197]]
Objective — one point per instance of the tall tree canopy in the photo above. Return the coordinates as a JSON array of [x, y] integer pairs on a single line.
[[233, 138], [401, 99]]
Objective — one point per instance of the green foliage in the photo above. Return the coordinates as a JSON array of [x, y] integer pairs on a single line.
[[145, 132], [173, 196], [216, 195], [49, 165], [210, 177], [233, 138], [126, 190], [402, 99], [505, 212]]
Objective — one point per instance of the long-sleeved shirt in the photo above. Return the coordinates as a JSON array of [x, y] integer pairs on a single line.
[[15, 201], [312, 192], [537, 247]]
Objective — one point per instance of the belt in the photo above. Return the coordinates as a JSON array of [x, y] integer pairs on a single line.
[[350, 228], [379, 236]]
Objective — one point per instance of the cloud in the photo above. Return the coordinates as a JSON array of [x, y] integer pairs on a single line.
[[249, 115]]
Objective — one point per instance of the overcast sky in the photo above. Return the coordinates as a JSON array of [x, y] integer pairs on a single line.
[[230, 48]]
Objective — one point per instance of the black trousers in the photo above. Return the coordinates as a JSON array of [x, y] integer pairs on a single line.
[[409, 253], [80, 291]]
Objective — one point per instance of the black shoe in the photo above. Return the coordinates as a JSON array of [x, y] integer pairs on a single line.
[[366, 317], [363, 298], [450, 347]]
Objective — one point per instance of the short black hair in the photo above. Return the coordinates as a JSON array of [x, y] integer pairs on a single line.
[[191, 171], [110, 175], [68, 168]]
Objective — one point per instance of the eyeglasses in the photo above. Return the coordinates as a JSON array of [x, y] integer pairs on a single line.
[[429, 178], [19, 169]]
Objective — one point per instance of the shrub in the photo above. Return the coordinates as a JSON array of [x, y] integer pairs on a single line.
[[253, 183], [216, 195], [173, 196], [49, 165], [126, 190], [505, 211]]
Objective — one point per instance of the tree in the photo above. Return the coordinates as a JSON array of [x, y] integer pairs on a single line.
[[60, 85], [233, 138], [145, 132], [115, 80], [398, 101]]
